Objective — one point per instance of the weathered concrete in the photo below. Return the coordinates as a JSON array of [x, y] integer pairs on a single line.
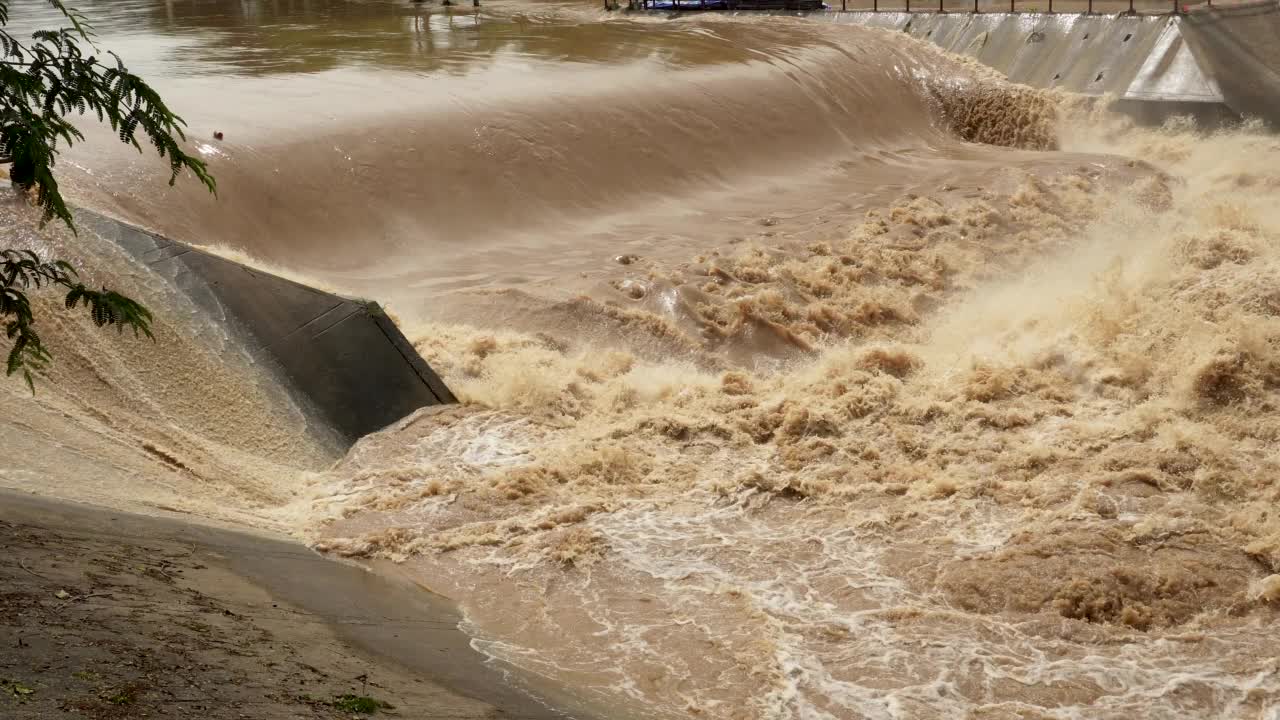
[[1216, 63], [1239, 45], [343, 359], [1143, 61]]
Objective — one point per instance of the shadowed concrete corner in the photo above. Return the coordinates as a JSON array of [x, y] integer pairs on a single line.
[[342, 359]]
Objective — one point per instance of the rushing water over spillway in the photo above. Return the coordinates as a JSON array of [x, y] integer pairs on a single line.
[[809, 372]]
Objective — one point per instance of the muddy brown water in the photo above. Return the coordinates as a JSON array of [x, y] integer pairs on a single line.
[[784, 397]]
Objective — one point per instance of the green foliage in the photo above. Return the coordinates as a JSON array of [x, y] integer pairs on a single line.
[[350, 703], [17, 690], [21, 270], [43, 82], [359, 704], [126, 695]]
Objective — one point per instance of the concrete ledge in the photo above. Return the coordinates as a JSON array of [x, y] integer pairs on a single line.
[[344, 360]]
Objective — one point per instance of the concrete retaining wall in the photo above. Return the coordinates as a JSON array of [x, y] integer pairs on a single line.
[[342, 359], [1213, 63], [1239, 44], [1141, 60]]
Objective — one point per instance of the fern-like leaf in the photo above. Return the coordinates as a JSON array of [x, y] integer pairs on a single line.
[[44, 82]]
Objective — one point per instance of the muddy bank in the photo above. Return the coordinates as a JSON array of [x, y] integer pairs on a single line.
[[107, 614]]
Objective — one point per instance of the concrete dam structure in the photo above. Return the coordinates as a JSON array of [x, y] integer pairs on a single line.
[[1214, 63], [343, 360], [1239, 47]]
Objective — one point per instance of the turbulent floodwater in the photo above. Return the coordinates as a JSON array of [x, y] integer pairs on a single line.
[[809, 373]]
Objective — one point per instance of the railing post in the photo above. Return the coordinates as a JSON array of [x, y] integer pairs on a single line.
[[940, 10], [1090, 10], [975, 7], [875, 5], [1051, 6], [908, 5], [1011, 9]]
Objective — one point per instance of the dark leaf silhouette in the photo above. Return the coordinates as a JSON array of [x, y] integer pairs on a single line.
[[44, 81]]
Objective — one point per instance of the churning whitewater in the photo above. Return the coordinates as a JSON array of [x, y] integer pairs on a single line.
[[807, 372], [1025, 473]]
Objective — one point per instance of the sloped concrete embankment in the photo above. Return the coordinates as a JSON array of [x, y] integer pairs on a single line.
[[1215, 64], [1239, 45], [343, 360]]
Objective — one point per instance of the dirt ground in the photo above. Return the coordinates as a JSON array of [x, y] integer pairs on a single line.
[[106, 624]]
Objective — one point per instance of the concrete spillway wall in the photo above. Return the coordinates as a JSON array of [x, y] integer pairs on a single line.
[[1214, 63], [1239, 46], [344, 360], [1142, 61]]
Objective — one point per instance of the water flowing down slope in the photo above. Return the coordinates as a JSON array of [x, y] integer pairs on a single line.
[[808, 372]]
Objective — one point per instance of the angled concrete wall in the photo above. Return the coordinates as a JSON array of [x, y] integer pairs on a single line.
[[1143, 61], [1239, 44], [342, 359], [1216, 63]]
